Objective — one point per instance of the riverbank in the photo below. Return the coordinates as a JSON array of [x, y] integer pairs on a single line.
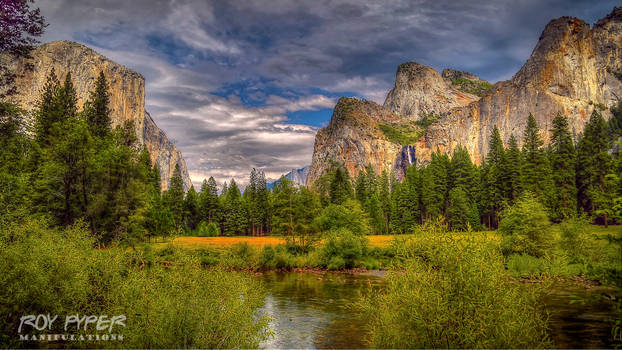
[[593, 257]]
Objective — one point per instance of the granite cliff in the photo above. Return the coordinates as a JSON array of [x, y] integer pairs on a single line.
[[126, 87], [574, 69]]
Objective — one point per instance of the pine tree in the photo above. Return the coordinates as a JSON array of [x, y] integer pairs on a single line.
[[63, 150], [191, 209], [360, 187], [340, 188], [458, 210], [284, 207], [406, 212], [536, 171], [614, 125], [493, 185], [462, 172], [47, 113], [435, 186], [174, 196], [97, 110], [15, 148], [208, 201], [234, 212], [593, 165], [563, 163], [513, 166], [384, 191]]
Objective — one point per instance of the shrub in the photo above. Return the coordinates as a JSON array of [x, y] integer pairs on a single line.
[[345, 245], [336, 263], [452, 293], [167, 304], [574, 236], [207, 230], [525, 228], [349, 216]]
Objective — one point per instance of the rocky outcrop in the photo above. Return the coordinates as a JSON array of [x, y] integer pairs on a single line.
[[466, 82], [360, 133], [126, 87], [419, 90], [573, 70]]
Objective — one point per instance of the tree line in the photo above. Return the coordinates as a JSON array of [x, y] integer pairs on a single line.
[[71, 165], [569, 178]]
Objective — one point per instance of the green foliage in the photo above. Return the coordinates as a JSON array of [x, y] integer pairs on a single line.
[[525, 228], [174, 196], [15, 149], [459, 210], [451, 294], [536, 170], [166, 305], [97, 108], [205, 229], [614, 124], [342, 249], [209, 206], [402, 134], [257, 199], [593, 165], [349, 216], [426, 120], [563, 163], [475, 87], [339, 187], [235, 214], [191, 214]]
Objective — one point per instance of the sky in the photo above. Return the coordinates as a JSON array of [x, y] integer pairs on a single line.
[[238, 85]]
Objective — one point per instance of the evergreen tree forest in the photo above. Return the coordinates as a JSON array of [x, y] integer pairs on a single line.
[[570, 179], [71, 165]]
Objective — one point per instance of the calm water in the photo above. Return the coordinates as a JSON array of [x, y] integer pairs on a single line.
[[311, 311]]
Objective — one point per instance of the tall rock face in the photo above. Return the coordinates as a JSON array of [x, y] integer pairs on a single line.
[[361, 133], [573, 70], [126, 87], [419, 90]]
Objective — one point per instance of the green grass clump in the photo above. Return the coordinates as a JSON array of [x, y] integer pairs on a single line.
[[401, 134], [478, 88], [427, 119]]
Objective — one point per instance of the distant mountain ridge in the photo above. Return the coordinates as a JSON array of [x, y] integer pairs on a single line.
[[574, 69], [297, 176]]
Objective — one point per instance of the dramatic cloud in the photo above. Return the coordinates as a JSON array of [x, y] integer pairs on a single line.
[[243, 84]]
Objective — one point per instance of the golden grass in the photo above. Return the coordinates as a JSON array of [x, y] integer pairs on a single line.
[[380, 241]]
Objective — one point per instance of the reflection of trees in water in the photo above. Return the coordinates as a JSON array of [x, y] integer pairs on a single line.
[[312, 310], [328, 291]]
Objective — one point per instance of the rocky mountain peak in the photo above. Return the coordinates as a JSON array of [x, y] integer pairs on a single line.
[[573, 70], [126, 87], [614, 17], [560, 60], [420, 90]]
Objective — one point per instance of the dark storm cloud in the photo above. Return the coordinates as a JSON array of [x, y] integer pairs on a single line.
[[223, 75]]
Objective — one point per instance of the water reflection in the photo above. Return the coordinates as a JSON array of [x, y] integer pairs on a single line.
[[312, 311], [580, 317]]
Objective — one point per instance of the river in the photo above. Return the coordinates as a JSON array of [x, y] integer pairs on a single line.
[[311, 310]]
